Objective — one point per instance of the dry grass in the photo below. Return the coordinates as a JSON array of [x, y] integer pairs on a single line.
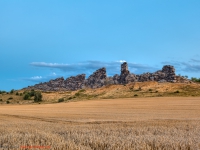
[[135, 123], [136, 90]]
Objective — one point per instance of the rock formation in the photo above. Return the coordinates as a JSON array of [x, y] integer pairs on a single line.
[[124, 73], [75, 83], [99, 79]]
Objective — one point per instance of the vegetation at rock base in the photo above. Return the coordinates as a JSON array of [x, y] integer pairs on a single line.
[[2, 92], [61, 100], [10, 98], [37, 96], [136, 89], [12, 91], [195, 79], [26, 96]]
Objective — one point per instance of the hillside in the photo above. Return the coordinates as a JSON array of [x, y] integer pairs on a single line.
[[136, 89], [162, 83]]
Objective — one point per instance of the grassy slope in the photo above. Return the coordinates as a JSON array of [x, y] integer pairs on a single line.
[[139, 89]]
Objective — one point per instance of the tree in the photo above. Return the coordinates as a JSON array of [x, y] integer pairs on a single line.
[[37, 97]]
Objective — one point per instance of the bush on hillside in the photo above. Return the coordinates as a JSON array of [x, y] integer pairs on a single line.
[[195, 79], [26, 96], [10, 98], [61, 100], [38, 97], [12, 91]]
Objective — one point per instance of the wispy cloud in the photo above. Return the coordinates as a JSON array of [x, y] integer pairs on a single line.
[[88, 67], [41, 78], [36, 78], [195, 60], [121, 61], [192, 65]]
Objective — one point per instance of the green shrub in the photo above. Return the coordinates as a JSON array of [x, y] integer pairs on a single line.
[[176, 92], [10, 98], [17, 93], [12, 91], [1, 92], [38, 97], [32, 93], [29, 94], [61, 100], [131, 88], [1, 100], [7, 102], [135, 95], [20, 94], [77, 94], [70, 98], [26, 96], [195, 79], [82, 90]]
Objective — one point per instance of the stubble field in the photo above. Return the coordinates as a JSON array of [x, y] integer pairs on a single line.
[[131, 123]]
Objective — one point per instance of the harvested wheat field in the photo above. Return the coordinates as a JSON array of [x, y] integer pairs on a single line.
[[133, 123]]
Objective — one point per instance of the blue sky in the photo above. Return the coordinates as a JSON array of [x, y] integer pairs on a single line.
[[43, 40]]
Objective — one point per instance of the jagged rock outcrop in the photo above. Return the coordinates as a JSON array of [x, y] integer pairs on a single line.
[[167, 74], [170, 75], [181, 79], [56, 84], [52, 85], [125, 76], [124, 73], [99, 79], [116, 79], [75, 83]]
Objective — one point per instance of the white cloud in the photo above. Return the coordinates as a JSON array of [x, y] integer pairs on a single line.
[[121, 61], [42, 78], [88, 67], [36, 78], [192, 65], [44, 64], [53, 74]]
